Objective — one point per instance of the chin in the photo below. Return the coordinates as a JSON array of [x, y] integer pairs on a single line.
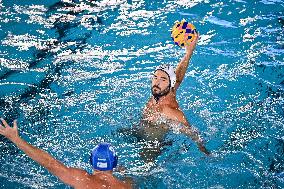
[[156, 92]]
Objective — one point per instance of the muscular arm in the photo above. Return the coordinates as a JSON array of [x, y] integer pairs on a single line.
[[194, 134], [178, 115], [70, 176], [183, 64]]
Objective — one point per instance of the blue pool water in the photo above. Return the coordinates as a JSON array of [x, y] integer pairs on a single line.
[[73, 73]]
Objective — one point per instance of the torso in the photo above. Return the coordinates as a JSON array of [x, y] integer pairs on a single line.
[[153, 110], [157, 120]]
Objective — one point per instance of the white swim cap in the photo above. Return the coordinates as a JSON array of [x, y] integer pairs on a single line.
[[170, 71]]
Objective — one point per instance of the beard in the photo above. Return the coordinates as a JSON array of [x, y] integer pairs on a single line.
[[158, 94]]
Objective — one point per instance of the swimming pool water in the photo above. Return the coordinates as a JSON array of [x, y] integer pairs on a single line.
[[74, 72]]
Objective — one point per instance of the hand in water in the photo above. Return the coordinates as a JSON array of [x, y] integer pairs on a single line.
[[203, 149], [7, 131]]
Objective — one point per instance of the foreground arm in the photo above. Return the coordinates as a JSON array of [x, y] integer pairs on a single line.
[[70, 176], [177, 115], [194, 134], [182, 66]]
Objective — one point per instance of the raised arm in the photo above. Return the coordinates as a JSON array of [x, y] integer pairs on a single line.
[[183, 64], [70, 176]]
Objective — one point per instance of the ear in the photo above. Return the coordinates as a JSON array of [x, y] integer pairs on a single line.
[[173, 89]]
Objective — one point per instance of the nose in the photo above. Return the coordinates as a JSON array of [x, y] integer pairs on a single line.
[[156, 82]]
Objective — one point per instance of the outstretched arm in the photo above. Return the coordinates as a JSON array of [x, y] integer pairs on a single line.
[[182, 66], [70, 176], [194, 134], [178, 115]]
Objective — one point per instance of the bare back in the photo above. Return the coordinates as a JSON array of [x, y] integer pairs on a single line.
[[102, 180]]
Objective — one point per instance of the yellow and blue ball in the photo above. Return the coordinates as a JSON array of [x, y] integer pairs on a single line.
[[183, 31]]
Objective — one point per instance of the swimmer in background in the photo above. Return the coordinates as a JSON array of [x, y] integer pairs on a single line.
[[162, 112], [103, 160]]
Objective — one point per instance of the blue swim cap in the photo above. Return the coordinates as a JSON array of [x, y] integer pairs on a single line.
[[103, 157]]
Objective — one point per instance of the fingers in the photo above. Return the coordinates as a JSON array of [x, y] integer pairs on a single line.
[[15, 126], [196, 37], [197, 34], [4, 122], [1, 127], [191, 45]]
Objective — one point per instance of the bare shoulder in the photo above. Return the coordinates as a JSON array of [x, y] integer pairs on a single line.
[[76, 177], [174, 114], [110, 181]]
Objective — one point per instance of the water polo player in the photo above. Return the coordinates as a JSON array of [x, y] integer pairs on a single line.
[[103, 159], [162, 108]]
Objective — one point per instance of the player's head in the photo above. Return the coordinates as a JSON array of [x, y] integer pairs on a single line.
[[103, 157], [164, 78]]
